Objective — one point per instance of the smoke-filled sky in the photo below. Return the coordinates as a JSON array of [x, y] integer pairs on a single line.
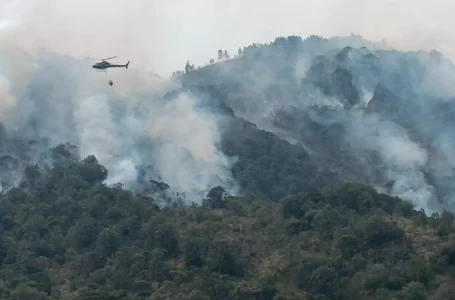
[[161, 35]]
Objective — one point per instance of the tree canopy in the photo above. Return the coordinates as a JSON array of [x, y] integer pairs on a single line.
[[66, 235]]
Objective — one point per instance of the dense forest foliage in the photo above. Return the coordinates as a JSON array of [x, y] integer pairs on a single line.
[[66, 235]]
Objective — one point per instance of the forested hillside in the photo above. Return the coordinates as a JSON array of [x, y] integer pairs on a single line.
[[361, 113], [302, 169], [67, 236]]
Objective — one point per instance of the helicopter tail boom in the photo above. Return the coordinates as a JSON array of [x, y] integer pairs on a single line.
[[118, 66]]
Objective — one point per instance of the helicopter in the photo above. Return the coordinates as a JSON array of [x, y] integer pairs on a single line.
[[103, 65]]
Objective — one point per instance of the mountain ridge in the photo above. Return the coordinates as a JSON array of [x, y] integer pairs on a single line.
[[372, 86]]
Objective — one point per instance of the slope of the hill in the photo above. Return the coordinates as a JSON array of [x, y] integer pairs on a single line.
[[375, 116], [66, 236]]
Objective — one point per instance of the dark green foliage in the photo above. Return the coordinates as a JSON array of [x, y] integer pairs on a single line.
[[343, 85], [195, 252], [446, 224], [216, 198], [268, 166], [349, 245], [79, 239], [379, 232], [101, 293]]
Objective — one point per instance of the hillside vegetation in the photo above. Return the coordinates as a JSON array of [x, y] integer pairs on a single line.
[[67, 236], [351, 107]]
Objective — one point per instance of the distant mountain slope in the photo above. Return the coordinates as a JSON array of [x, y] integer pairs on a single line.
[[380, 117]]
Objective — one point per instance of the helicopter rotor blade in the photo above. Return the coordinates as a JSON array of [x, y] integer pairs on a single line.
[[100, 58]]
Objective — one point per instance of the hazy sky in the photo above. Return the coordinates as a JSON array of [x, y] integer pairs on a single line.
[[160, 35]]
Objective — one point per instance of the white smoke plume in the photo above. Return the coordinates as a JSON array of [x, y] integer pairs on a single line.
[[128, 125], [403, 158], [398, 131], [95, 128], [7, 101], [54, 97]]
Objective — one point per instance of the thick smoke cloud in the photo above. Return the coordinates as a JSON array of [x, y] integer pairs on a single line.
[[64, 100], [402, 157], [7, 101], [387, 114]]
